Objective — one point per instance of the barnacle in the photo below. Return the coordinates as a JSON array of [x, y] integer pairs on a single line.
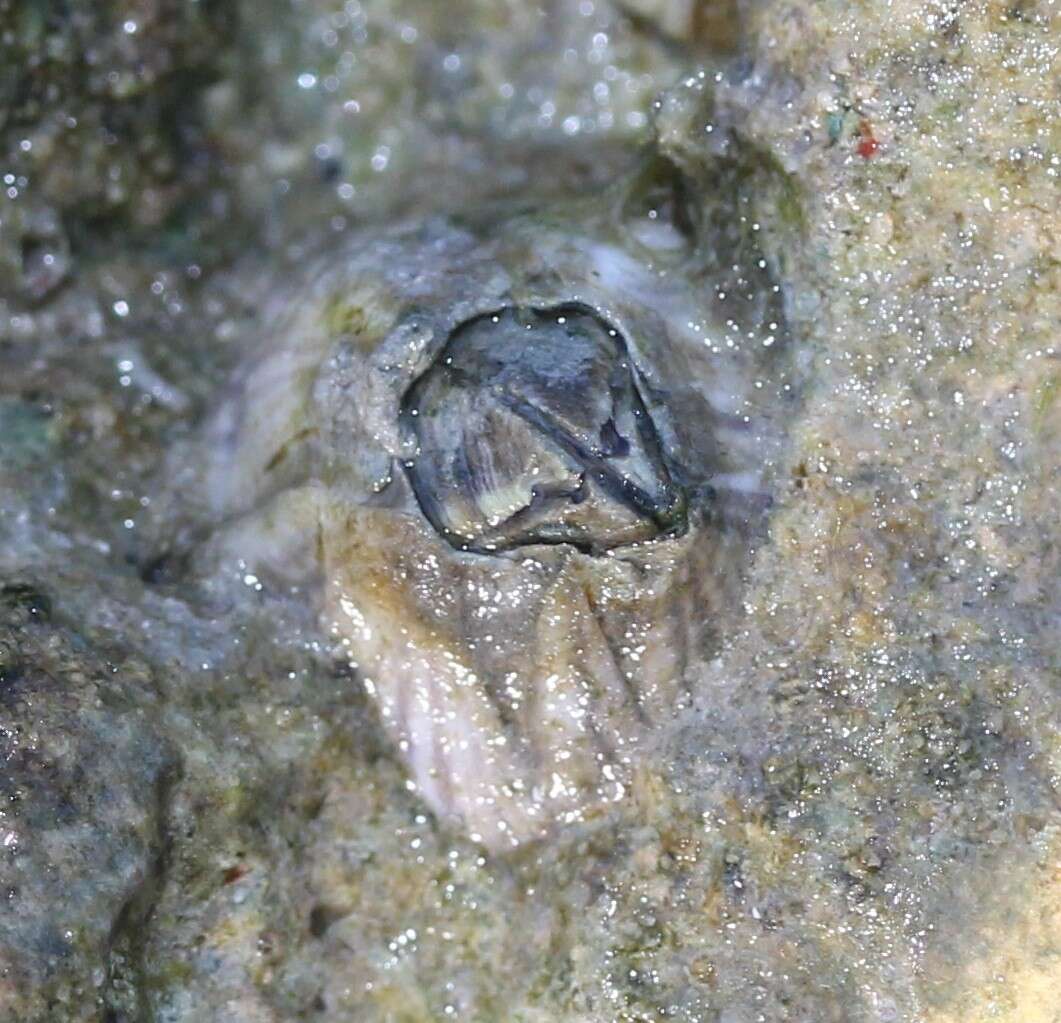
[[517, 470]]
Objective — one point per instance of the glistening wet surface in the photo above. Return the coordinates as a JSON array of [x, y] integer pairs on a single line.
[[376, 646]]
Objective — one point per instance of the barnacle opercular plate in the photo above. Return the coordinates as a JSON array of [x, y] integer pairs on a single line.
[[530, 429]]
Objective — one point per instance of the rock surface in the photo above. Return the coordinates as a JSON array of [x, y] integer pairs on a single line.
[[203, 817], [85, 792]]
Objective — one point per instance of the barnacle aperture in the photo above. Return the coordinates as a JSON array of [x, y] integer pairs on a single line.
[[530, 428]]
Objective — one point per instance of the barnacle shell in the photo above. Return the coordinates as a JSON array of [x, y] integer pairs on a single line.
[[522, 484]]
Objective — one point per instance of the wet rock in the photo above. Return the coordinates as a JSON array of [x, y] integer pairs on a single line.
[[849, 813], [100, 125], [82, 808]]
